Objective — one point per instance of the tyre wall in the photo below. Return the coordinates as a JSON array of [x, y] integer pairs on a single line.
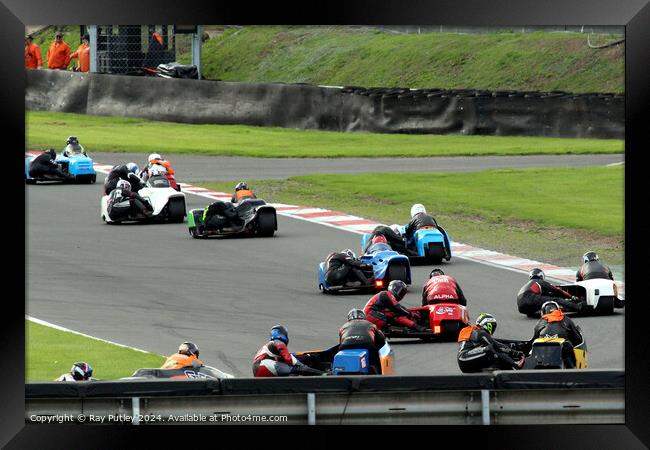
[[382, 110]]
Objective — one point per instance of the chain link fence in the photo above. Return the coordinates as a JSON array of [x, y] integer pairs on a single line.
[[131, 49]]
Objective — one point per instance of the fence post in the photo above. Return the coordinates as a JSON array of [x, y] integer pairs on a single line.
[[92, 34], [485, 401], [196, 50], [311, 409]]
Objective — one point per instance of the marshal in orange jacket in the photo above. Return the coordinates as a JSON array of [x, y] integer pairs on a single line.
[[58, 56], [33, 59], [83, 53]]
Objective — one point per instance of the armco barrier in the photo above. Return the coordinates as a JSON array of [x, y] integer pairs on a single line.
[[385, 110], [526, 397]]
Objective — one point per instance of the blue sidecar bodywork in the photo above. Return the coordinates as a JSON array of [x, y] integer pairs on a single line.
[[78, 165], [432, 244]]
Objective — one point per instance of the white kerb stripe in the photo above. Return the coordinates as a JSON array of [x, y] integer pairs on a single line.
[[57, 327]]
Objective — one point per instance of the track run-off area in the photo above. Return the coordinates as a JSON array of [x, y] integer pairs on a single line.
[[151, 286]]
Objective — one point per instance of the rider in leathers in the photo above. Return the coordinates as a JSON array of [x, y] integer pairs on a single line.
[[274, 360], [357, 332], [44, 164], [442, 288], [554, 323], [121, 172], [123, 202], [592, 268], [344, 268], [538, 291], [478, 350], [384, 309]]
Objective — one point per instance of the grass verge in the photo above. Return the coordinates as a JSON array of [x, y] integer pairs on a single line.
[[51, 352], [550, 215], [119, 134]]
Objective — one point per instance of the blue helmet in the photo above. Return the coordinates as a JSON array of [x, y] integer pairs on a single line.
[[133, 167], [280, 332]]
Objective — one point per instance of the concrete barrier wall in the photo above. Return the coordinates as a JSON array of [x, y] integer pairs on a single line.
[[334, 109]]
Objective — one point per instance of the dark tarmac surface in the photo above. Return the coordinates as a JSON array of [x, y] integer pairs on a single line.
[[151, 286], [223, 168]]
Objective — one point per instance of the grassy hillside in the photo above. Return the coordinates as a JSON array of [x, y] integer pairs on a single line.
[[361, 56], [372, 58]]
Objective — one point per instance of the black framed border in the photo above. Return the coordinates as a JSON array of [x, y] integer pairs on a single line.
[[633, 14]]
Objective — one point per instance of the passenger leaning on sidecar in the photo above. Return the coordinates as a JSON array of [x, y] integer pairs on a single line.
[[393, 238], [478, 350], [274, 360], [123, 172], [186, 356], [554, 324], [358, 332], [344, 269], [123, 202], [220, 214], [538, 291], [44, 165]]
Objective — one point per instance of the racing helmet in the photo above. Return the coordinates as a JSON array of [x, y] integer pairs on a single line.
[[349, 253], [188, 349], [133, 167], [280, 332], [549, 306], [72, 140], [81, 371], [123, 184], [436, 272], [241, 185], [536, 273], [154, 157], [487, 322], [379, 239], [398, 289], [590, 256], [417, 209], [356, 314]]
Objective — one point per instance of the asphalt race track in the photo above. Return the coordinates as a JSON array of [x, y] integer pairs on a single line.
[[151, 286], [224, 168]]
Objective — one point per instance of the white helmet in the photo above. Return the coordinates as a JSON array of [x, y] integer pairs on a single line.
[[396, 228], [154, 157], [123, 184], [416, 209]]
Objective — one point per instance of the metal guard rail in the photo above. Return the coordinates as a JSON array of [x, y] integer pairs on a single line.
[[523, 397]]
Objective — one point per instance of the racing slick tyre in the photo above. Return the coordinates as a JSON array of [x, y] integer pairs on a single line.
[[605, 306], [194, 233], [435, 253], [266, 223], [176, 210], [397, 271]]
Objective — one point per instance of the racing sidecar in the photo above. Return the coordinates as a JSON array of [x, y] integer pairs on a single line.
[[556, 353], [429, 244], [442, 320], [77, 165], [356, 361], [258, 219], [600, 294], [380, 267], [200, 372], [168, 204]]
